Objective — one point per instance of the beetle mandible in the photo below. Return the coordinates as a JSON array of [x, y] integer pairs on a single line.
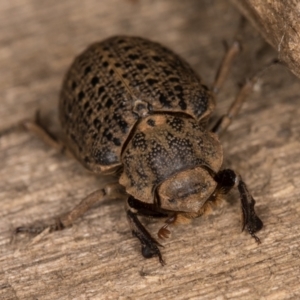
[[132, 107]]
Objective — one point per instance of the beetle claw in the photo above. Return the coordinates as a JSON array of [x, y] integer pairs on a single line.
[[37, 229]]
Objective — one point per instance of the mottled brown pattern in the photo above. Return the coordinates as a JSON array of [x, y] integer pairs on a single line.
[[113, 84], [162, 146]]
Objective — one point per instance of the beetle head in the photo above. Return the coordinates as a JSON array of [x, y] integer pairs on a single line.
[[187, 190]]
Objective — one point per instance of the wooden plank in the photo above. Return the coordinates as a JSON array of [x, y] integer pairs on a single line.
[[97, 258]]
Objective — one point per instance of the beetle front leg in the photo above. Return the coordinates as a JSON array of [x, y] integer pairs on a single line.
[[149, 244], [226, 180], [250, 220]]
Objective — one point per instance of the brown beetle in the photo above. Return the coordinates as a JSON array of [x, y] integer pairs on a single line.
[[132, 107]]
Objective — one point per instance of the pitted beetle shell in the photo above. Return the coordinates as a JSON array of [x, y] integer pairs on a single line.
[[162, 146], [116, 82]]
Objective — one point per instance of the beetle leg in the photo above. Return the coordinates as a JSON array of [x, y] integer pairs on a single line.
[[223, 123], [66, 220], [145, 209], [43, 133], [149, 244], [225, 66], [150, 210], [226, 180]]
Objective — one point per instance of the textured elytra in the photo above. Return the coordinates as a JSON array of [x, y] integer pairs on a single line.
[[115, 83], [162, 146]]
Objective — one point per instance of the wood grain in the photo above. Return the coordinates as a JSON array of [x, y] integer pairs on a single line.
[[278, 22], [97, 258]]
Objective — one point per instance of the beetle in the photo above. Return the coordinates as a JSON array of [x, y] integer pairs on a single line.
[[132, 107]]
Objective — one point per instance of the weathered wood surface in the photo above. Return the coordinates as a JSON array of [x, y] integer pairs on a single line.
[[279, 23], [97, 258]]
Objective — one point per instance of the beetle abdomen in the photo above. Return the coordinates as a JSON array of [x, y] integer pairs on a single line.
[[102, 88]]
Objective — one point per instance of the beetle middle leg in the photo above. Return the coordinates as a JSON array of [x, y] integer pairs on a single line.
[[223, 123], [225, 65], [227, 179], [149, 244], [111, 191]]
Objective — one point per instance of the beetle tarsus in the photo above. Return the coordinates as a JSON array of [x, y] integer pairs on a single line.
[[30, 229], [253, 226], [34, 230], [150, 247], [149, 244], [250, 220]]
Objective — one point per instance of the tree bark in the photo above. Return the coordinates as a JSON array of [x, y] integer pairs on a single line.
[[278, 22]]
